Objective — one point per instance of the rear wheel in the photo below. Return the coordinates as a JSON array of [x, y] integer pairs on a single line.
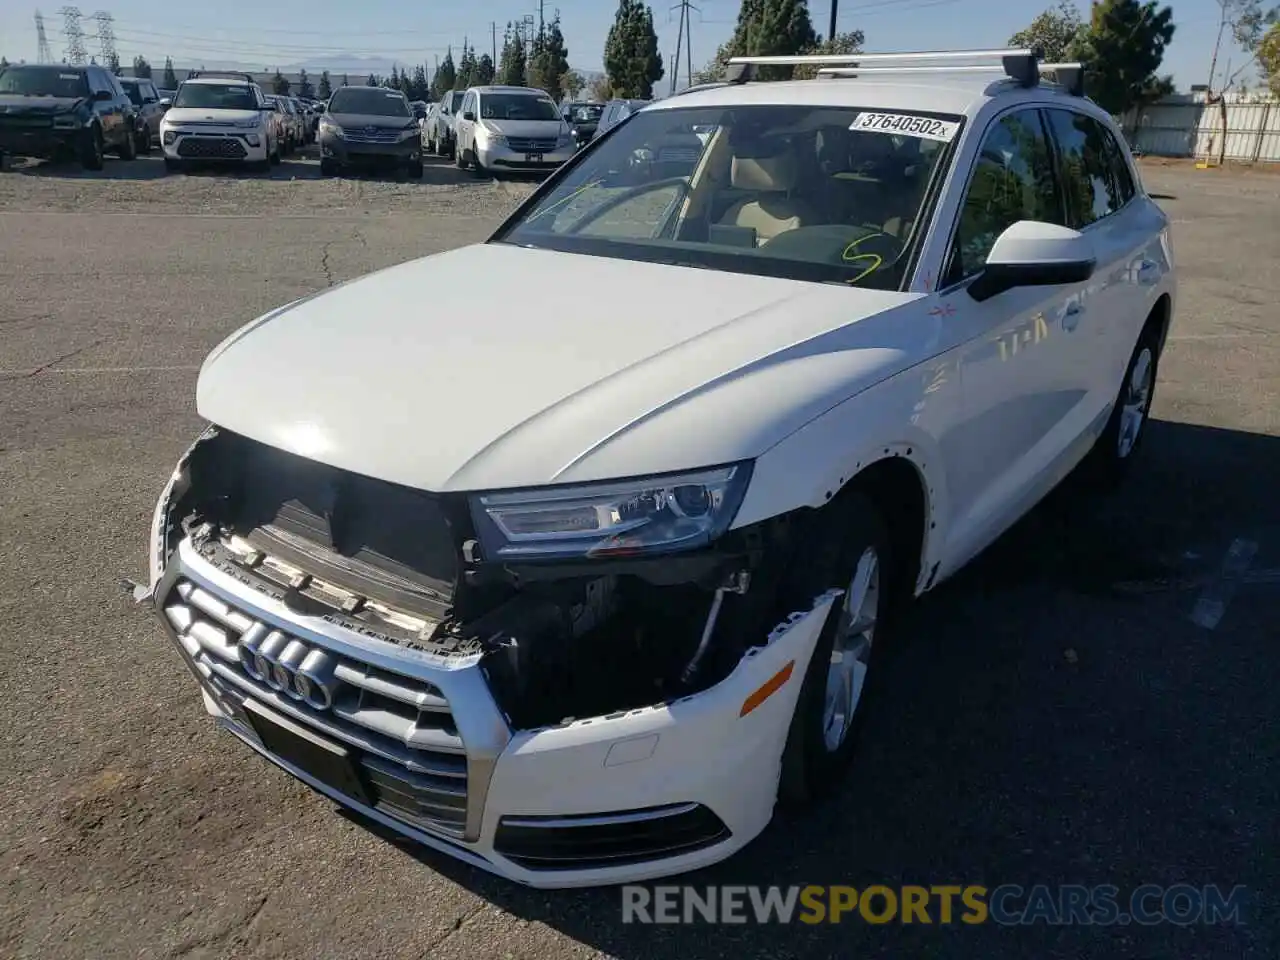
[[459, 157], [854, 555], [128, 149]]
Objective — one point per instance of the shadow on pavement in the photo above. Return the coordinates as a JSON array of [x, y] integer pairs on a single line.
[[146, 167], [1038, 723]]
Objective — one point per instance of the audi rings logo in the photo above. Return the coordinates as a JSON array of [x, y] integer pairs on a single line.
[[292, 667]]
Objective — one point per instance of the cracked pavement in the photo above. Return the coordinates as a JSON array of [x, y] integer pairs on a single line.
[[1053, 715]]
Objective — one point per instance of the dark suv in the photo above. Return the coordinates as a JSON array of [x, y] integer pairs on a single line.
[[369, 125], [53, 111]]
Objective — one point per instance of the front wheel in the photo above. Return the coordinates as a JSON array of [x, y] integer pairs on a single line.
[[414, 170], [328, 168], [1113, 454], [92, 154], [853, 555], [459, 157]]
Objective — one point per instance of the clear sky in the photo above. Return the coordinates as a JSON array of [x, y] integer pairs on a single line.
[[285, 32]]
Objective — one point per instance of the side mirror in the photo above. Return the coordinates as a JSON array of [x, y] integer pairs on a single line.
[[469, 116], [1034, 254], [166, 103]]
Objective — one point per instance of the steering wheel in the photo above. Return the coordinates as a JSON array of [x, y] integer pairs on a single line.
[[631, 193]]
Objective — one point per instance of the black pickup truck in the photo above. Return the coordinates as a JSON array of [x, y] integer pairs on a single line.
[[55, 111]]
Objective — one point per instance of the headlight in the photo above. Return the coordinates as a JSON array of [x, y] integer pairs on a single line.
[[623, 518], [251, 124], [251, 139], [66, 122], [170, 136], [489, 136], [329, 127]]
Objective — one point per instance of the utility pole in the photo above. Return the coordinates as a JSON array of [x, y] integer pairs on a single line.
[[832, 35], [684, 40], [493, 39]]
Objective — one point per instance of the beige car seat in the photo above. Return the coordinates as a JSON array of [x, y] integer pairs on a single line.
[[772, 211]]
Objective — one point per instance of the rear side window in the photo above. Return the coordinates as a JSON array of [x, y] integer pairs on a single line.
[[1012, 180], [1091, 180]]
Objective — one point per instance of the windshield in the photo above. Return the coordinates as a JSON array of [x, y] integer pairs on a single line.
[[133, 90], [43, 82], [587, 114], [373, 101], [516, 106], [826, 194], [454, 99], [216, 96]]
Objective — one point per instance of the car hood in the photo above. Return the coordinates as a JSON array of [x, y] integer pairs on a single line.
[[17, 106], [502, 379], [176, 115], [526, 128], [371, 120]]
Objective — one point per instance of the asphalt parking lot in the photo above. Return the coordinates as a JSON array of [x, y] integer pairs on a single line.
[[1068, 710]]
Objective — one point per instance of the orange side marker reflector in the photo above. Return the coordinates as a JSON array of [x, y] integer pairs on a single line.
[[771, 686]]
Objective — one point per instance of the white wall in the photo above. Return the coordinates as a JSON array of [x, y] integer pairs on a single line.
[[1184, 125]]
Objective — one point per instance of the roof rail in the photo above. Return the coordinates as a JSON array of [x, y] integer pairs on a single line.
[[1022, 64], [1069, 76], [227, 74]]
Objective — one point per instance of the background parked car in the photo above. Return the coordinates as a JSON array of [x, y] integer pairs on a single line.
[[437, 133], [289, 126], [615, 111], [370, 126], [583, 121], [52, 111], [146, 98]]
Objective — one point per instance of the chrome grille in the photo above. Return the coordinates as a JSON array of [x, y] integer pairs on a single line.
[[401, 728], [219, 148], [372, 135], [532, 144]]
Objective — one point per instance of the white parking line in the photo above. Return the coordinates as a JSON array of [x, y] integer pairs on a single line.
[[69, 371], [1212, 604]]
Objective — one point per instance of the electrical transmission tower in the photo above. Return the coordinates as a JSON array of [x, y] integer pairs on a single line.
[[684, 39], [74, 33], [528, 32], [106, 36], [43, 52]]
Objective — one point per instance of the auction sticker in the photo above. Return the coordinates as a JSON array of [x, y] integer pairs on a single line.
[[908, 125]]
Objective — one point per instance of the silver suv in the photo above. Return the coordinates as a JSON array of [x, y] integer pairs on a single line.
[[511, 129]]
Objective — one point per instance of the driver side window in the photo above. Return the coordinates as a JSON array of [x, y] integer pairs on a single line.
[[1012, 180]]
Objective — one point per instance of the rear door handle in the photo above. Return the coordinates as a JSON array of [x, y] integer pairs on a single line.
[[1148, 272], [1071, 316]]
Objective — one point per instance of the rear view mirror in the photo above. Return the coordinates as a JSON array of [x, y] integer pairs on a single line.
[[1034, 254]]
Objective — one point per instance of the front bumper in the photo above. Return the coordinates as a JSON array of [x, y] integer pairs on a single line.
[[646, 793], [41, 142], [350, 150], [215, 145], [501, 156]]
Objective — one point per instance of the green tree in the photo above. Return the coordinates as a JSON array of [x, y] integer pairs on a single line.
[[1269, 59], [843, 44], [280, 84], [1122, 48], [305, 89], [1056, 31], [372, 80], [113, 63], [346, 80], [550, 62], [392, 80], [325, 88], [3, 63], [140, 67], [571, 84], [600, 89], [419, 89], [631, 57], [445, 75], [766, 28], [485, 70], [512, 68], [170, 80], [466, 68]]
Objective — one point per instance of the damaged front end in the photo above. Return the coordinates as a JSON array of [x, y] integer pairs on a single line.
[[564, 623]]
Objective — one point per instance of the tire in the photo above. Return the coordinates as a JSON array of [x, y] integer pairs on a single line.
[[274, 158], [328, 168], [459, 157], [1112, 456], [414, 170], [128, 149], [92, 155], [144, 146], [852, 552], [171, 165]]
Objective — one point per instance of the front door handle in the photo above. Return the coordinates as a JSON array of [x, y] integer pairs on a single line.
[[1071, 316]]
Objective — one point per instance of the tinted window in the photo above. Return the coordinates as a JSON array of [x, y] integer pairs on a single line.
[[1119, 167], [517, 106], [38, 81], [372, 101], [216, 96], [786, 190], [1089, 182], [1012, 181]]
